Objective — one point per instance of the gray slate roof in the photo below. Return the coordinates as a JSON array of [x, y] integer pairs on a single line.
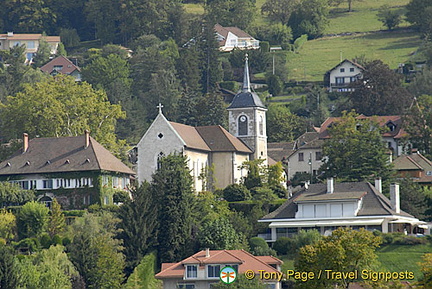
[[374, 203], [64, 154], [246, 99]]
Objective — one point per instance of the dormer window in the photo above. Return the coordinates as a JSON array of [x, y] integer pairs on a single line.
[[191, 271], [391, 126]]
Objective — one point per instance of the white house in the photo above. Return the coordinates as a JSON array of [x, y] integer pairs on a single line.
[[31, 42], [342, 75], [326, 207], [202, 269], [233, 37]]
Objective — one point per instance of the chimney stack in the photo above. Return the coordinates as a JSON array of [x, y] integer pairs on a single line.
[[25, 142], [207, 252], [378, 184], [395, 197], [87, 138], [330, 186]]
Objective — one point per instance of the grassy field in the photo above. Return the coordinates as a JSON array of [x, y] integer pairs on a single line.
[[318, 56], [401, 258]]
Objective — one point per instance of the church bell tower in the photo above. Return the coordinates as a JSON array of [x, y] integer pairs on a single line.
[[247, 118]]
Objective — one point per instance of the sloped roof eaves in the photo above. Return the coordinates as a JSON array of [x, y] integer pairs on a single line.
[[405, 162], [68, 66], [58, 155], [346, 60], [246, 99]]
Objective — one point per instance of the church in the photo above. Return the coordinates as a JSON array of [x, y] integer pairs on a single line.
[[210, 150]]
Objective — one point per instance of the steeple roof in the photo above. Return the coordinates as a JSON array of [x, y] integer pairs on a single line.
[[246, 98]]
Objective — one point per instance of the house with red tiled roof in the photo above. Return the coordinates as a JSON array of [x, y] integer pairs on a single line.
[[77, 171], [62, 65], [341, 77], [233, 37], [325, 207], [202, 269], [215, 156], [414, 166], [31, 42]]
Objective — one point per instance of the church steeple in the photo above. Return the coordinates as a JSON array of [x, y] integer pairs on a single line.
[[246, 79]]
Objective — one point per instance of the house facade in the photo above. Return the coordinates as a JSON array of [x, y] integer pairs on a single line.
[[202, 269], [214, 155], [77, 171], [233, 37], [340, 77], [62, 65], [31, 42], [325, 207]]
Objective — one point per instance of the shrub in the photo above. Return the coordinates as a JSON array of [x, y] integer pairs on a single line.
[[259, 247], [235, 193], [263, 194], [45, 241], [283, 245]]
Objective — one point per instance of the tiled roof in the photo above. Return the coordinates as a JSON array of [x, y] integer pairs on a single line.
[[246, 99], [373, 202], [30, 37], [67, 66], [349, 61], [245, 260], [209, 138], [64, 154], [398, 132], [278, 151], [414, 161]]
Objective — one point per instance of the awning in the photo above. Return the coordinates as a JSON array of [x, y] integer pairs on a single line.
[[405, 221], [329, 223]]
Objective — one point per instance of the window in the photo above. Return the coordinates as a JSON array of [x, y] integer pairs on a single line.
[[47, 184], [106, 200], [340, 80], [318, 156], [58, 67], [158, 161], [353, 79], [191, 271], [261, 125], [115, 182], [429, 173], [104, 180], [352, 69], [301, 157], [16, 43], [213, 271], [242, 125], [30, 44], [342, 70], [29, 56]]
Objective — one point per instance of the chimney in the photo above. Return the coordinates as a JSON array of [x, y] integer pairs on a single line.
[[414, 151], [25, 142], [378, 185], [330, 186], [10, 34], [87, 138], [395, 197], [207, 253]]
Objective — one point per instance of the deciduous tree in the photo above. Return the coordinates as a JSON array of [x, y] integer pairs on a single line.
[[59, 107], [390, 18], [282, 125], [279, 10], [355, 150], [310, 17], [32, 220], [380, 91], [419, 14], [346, 250]]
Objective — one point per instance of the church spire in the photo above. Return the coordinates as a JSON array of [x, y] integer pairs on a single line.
[[246, 79]]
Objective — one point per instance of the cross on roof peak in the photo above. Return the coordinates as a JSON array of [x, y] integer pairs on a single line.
[[159, 106]]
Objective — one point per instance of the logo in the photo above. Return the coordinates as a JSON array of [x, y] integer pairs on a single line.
[[228, 275]]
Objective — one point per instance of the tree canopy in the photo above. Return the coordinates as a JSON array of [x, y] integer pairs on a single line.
[[59, 107], [355, 150]]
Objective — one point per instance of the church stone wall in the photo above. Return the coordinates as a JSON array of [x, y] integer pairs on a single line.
[[197, 163], [159, 138]]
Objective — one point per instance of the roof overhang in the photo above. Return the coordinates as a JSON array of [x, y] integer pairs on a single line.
[[327, 223]]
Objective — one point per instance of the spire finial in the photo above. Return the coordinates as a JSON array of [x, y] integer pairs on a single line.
[[160, 107], [246, 79]]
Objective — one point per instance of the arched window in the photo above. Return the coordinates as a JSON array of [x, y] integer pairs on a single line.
[[261, 125], [159, 157], [243, 125]]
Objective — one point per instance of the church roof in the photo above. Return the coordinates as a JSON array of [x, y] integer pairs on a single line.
[[209, 138], [246, 98]]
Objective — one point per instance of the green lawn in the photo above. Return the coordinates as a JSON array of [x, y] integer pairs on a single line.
[[318, 56], [193, 8], [401, 258]]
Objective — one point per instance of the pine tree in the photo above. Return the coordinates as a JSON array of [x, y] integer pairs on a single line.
[[172, 185], [138, 224], [56, 222]]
